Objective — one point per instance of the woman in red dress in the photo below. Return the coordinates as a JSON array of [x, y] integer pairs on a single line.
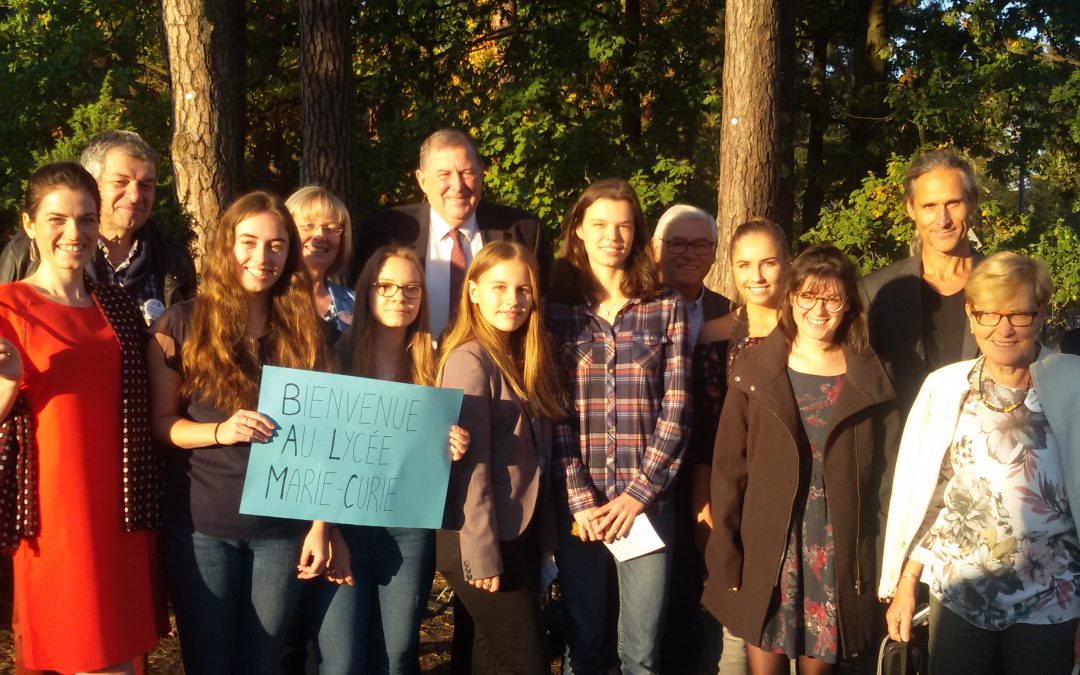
[[76, 442]]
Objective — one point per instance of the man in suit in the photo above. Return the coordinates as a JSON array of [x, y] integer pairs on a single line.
[[684, 246], [131, 252], [452, 225]]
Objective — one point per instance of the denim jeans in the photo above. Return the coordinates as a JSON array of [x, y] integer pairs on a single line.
[[233, 598], [374, 626], [642, 584]]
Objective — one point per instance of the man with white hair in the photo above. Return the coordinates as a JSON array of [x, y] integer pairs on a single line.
[[684, 245]]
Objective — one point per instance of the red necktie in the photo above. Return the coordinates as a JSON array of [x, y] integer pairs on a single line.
[[457, 272]]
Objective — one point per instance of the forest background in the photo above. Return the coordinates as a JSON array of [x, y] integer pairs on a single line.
[[562, 92]]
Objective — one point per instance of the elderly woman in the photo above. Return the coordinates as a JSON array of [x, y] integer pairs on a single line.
[[992, 532]]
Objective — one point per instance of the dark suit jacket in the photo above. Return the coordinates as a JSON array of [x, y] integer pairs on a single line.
[[893, 297], [714, 305], [410, 225], [495, 489]]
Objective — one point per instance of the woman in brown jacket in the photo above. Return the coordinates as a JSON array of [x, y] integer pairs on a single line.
[[791, 558]]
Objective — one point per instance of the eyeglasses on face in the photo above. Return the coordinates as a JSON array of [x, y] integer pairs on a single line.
[[388, 289], [329, 229], [1015, 319], [698, 246], [833, 303]]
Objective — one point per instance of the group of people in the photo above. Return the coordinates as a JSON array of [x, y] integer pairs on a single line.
[[784, 448]]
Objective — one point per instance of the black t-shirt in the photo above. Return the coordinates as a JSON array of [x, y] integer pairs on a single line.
[[204, 485], [944, 323]]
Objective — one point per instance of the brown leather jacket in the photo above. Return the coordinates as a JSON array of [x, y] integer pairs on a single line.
[[755, 477]]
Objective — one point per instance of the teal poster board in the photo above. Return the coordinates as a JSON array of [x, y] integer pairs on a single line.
[[351, 450]]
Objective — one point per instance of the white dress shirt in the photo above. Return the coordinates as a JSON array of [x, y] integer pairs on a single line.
[[437, 267], [695, 314]]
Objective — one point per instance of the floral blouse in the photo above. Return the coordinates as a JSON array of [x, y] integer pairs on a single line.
[[1003, 547]]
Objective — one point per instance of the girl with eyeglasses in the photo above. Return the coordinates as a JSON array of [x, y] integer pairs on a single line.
[[803, 428], [365, 614], [325, 240]]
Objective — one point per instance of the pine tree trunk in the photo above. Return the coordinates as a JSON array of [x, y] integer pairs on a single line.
[[205, 55], [326, 96], [749, 133]]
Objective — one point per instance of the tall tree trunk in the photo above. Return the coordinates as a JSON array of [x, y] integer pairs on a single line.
[[628, 85], [815, 146], [784, 213], [749, 133], [326, 96], [205, 56]]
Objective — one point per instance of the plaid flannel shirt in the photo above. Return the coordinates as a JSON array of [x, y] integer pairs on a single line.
[[630, 385]]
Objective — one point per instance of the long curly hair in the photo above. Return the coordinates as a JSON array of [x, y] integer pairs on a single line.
[[357, 348], [572, 279], [221, 364], [525, 357]]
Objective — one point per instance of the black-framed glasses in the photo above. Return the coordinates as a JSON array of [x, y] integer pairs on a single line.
[[329, 229], [833, 303], [389, 289], [698, 246], [1015, 319]]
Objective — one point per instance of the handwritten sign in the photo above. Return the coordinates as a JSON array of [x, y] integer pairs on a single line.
[[351, 450]]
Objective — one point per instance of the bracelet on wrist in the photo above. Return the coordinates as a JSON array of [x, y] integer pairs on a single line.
[[916, 577], [216, 427]]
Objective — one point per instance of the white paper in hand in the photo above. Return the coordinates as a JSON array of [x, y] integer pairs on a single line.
[[641, 539]]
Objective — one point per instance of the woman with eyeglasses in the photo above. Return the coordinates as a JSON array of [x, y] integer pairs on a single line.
[[791, 554], [325, 239], [365, 615], [986, 486]]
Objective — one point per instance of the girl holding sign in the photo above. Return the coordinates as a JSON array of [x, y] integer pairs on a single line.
[[231, 576], [626, 363], [497, 521], [369, 620]]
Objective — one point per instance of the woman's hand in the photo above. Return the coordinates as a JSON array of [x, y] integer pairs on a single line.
[[901, 609], [339, 567], [491, 584], [316, 551], [617, 517], [586, 529], [245, 426], [459, 442], [11, 366]]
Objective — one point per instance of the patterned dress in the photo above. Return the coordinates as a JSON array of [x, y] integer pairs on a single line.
[[805, 620], [1002, 547], [712, 363]]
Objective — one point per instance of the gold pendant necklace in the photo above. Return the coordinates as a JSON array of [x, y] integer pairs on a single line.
[[982, 394]]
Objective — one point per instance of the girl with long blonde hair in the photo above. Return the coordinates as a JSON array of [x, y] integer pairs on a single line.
[[232, 577], [498, 519]]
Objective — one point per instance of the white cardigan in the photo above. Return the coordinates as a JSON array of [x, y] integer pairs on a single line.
[[928, 434]]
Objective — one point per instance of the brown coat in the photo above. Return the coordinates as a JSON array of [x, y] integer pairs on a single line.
[[755, 476], [495, 489]]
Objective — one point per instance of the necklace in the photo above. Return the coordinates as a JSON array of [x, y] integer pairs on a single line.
[[982, 394]]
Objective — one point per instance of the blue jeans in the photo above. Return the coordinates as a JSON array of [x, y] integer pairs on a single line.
[[374, 626], [233, 598], [642, 584]]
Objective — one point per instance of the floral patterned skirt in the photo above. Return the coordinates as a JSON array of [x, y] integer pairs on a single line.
[[803, 619]]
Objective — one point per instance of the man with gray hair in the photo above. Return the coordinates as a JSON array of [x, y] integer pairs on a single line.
[[131, 253], [684, 246], [452, 226]]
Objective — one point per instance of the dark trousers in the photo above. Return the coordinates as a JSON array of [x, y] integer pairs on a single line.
[[508, 629], [684, 633], [958, 647]]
